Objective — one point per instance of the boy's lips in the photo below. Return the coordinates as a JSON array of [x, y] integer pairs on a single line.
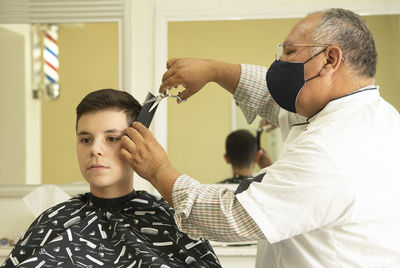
[[97, 167]]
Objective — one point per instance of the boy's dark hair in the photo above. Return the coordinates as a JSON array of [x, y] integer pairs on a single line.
[[109, 98], [241, 148]]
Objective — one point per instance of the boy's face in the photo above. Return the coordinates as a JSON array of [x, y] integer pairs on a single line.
[[99, 151]]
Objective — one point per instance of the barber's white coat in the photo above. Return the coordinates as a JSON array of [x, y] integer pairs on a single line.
[[332, 199]]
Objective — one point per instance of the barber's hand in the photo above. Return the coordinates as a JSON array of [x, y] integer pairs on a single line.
[[192, 74], [265, 159], [264, 122], [146, 156]]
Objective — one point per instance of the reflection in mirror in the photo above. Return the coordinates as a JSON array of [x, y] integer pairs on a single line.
[[88, 60], [197, 128]]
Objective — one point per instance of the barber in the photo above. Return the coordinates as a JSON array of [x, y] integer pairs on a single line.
[[331, 199]]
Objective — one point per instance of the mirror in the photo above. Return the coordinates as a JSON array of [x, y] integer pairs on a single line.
[[88, 60], [38, 136], [197, 128]]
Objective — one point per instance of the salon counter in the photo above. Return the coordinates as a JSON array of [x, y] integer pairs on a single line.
[[236, 256]]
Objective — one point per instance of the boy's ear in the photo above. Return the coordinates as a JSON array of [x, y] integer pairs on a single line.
[[227, 158]]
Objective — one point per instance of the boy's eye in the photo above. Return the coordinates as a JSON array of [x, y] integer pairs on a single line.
[[113, 139], [85, 140]]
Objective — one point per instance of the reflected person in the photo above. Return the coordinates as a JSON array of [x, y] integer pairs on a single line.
[[242, 153]]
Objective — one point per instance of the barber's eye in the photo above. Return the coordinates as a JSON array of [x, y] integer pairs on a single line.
[[289, 51]]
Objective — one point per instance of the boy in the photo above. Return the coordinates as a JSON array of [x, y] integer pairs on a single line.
[[113, 225]]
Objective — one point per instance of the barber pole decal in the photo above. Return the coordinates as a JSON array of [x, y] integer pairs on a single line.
[[50, 55]]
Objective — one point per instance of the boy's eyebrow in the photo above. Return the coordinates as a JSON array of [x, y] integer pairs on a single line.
[[114, 130], [81, 133]]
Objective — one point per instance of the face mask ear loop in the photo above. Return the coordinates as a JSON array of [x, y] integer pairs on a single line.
[[311, 59], [312, 78]]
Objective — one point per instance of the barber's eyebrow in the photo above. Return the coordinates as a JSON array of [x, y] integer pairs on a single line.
[[114, 130]]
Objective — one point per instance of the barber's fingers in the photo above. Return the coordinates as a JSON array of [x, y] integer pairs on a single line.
[[132, 140], [143, 131], [127, 155], [172, 80], [168, 74], [128, 144], [187, 93], [168, 83], [171, 62], [134, 134]]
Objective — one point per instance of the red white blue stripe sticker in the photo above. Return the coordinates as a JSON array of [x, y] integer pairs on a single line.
[[50, 55]]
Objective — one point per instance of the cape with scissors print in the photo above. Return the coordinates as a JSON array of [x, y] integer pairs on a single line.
[[136, 230]]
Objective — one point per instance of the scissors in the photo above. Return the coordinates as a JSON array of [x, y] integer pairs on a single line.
[[157, 99]]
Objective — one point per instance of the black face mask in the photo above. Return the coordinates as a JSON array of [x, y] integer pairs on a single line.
[[285, 81]]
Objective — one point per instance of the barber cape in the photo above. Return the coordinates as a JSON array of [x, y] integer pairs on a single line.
[[136, 230]]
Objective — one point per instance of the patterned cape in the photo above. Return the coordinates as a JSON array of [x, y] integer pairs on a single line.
[[236, 179], [136, 230]]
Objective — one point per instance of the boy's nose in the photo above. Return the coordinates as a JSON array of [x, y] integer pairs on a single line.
[[97, 149]]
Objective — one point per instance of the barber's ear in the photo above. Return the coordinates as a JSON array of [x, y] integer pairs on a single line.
[[333, 60], [227, 159]]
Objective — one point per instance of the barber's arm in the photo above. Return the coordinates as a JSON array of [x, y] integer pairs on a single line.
[[246, 82], [197, 207], [194, 74]]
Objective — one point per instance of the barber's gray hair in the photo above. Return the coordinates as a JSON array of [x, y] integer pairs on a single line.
[[347, 30]]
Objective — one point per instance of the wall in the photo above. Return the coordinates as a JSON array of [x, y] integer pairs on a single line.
[[386, 30], [88, 61], [12, 106], [197, 128]]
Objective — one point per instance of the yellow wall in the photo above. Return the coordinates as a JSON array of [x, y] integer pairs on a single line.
[[386, 30], [197, 128], [12, 106], [88, 60]]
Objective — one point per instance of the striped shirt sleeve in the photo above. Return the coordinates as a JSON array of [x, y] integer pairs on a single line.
[[253, 97], [211, 212]]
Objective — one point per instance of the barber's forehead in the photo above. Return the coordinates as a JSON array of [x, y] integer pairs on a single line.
[[302, 30]]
